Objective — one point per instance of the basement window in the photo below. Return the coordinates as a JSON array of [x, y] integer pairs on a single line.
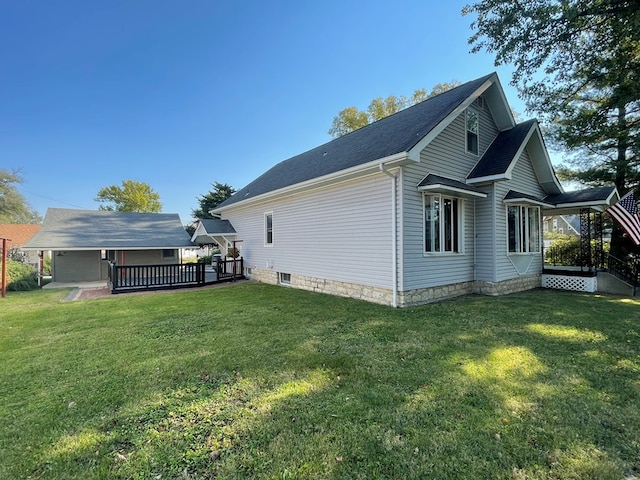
[[285, 278]]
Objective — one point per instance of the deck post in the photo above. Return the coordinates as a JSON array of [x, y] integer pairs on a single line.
[[4, 268], [585, 239]]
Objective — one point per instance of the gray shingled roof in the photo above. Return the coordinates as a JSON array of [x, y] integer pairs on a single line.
[[432, 179], [216, 226], [598, 194], [68, 229], [498, 157], [392, 135], [514, 195]]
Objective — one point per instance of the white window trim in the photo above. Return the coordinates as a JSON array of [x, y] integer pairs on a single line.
[[281, 279], [527, 233], [267, 214], [466, 137], [461, 224]]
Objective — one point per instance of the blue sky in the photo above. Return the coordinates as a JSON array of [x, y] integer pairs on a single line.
[[181, 94]]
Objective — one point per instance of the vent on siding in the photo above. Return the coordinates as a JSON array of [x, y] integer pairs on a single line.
[[480, 102]]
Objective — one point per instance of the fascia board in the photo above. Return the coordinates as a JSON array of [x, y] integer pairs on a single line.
[[500, 91], [414, 153], [508, 173], [200, 230], [440, 187], [108, 247], [488, 179], [613, 197], [547, 162], [394, 160], [525, 200]]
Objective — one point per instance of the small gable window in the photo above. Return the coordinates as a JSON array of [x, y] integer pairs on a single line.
[[472, 131], [523, 229], [442, 224], [268, 228]]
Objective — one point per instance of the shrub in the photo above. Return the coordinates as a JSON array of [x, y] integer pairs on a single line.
[[205, 259], [21, 276], [565, 250]]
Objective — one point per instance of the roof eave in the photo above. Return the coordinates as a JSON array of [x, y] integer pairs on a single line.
[[488, 179], [414, 152], [373, 166], [442, 188], [527, 200]]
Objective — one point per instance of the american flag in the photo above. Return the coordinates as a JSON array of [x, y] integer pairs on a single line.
[[625, 212]]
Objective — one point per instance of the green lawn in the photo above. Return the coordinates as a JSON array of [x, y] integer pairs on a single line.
[[257, 381]]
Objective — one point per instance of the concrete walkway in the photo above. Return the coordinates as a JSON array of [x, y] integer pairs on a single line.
[[88, 290], [99, 284]]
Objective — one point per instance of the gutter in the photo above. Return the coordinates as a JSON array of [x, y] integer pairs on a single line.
[[346, 174], [394, 232]]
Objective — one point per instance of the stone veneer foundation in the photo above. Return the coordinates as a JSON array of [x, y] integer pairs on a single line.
[[405, 299]]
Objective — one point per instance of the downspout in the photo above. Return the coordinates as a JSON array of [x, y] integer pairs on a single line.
[[475, 246], [394, 233]]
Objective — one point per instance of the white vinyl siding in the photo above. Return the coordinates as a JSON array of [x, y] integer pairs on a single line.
[[446, 156], [485, 213], [523, 180], [340, 232], [268, 229]]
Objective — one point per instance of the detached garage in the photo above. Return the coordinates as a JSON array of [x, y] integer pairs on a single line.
[[83, 242]]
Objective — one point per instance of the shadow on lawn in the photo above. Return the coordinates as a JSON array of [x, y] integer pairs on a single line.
[[526, 386]]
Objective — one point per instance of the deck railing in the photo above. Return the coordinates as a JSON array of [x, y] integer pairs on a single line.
[[141, 277], [228, 269], [128, 278]]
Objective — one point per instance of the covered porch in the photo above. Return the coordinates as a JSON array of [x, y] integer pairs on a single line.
[[588, 268]]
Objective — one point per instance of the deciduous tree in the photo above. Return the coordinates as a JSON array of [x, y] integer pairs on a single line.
[[351, 118], [13, 206], [132, 196]]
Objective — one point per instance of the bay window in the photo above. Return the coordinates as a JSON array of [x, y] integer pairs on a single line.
[[442, 224], [523, 229]]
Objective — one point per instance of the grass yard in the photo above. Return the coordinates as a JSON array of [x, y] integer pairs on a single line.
[[258, 381]]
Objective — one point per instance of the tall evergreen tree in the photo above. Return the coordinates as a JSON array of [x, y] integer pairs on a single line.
[[210, 200], [577, 65]]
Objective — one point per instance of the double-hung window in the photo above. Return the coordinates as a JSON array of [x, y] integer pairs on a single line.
[[523, 229], [442, 224]]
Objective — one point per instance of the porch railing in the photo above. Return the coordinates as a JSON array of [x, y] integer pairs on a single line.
[[627, 270], [140, 277]]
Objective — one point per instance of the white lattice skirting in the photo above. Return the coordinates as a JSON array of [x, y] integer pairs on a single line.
[[567, 282]]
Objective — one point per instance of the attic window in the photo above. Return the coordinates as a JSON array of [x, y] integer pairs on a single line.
[[472, 131]]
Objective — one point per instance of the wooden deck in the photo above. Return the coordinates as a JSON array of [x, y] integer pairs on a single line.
[[131, 278]]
